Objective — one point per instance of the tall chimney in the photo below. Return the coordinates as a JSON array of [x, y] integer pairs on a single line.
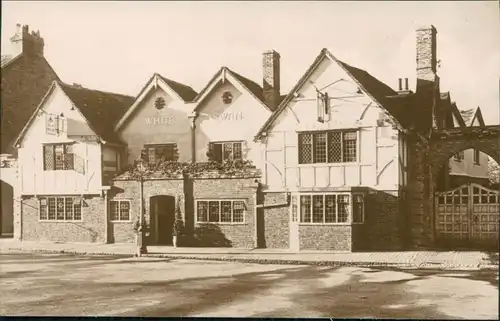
[[427, 79], [27, 43], [426, 54], [271, 78]]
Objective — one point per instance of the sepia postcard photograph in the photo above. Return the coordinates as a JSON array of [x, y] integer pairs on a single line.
[[250, 159]]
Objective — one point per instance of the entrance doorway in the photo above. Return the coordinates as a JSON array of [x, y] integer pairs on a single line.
[[162, 209], [294, 226], [7, 209]]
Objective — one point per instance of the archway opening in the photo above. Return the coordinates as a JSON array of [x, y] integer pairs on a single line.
[[466, 201], [7, 209]]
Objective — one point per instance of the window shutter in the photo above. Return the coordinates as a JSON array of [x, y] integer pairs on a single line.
[[244, 150], [144, 154], [217, 152]]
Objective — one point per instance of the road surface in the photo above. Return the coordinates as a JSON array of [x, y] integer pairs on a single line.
[[65, 285]]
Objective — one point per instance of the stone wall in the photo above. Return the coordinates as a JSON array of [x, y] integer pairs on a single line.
[[325, 237], [90, 229], [238, 235], [273, 227]]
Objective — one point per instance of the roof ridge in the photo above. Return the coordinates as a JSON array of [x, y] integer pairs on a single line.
[[94, 90]]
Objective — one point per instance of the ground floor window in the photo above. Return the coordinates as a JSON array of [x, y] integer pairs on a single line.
[[220, 211], [60, 208], [119, 210], [329, 208]]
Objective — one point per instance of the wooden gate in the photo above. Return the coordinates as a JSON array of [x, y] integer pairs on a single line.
[[468, 215]]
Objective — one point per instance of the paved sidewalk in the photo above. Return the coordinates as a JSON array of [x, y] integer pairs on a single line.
[[408, 259]]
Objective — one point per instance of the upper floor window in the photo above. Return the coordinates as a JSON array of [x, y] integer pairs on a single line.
[[58, 157], [60, 209], [327, 147], [477, 155], [222, 151], [330, 208], [119, 210], [220, 211], [459, 156], [155, 153]]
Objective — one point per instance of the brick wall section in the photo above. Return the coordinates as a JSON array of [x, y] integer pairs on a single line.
[[234, 235], [325, 237], [384, 222], [124, 231], [24, 83], [274, 232], [90, 229]]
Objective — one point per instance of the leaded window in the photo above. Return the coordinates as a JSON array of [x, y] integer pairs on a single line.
[[327, 147]]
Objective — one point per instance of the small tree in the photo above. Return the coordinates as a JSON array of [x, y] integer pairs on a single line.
[[493, 171], [178, 223]]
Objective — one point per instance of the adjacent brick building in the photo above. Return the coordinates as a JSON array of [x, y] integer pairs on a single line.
[[26, 77]]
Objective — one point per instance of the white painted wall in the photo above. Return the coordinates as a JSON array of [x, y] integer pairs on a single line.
[[148, 125], [378, 143], [86, 178], [238, 121], [467, 167]]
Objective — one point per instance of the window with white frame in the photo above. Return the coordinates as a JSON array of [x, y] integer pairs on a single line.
[[220, 211], [328, 147], [458, 157], [60, 208], [329, 208], [58, 157], [477, 155], [155, 153], [222, 151], [119, 210]]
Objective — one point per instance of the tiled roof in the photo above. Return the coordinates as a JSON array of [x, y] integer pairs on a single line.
[[101, 109], [397, 105], [184, 91], [252, 86], [6, 59]]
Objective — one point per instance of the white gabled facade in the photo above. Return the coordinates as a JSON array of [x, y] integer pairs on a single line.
[[380, 149], [36, 175], [235, 119], [144, 124]]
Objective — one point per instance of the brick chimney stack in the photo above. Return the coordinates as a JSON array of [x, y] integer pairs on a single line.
[[271, 78], [23, 41], [427, 55], [427, 87]]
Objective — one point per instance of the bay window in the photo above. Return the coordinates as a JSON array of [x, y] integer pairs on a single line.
[[329, 208]]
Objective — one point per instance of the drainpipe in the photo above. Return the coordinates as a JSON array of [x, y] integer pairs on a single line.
[[105, 190], [192, 124], [143, 249]]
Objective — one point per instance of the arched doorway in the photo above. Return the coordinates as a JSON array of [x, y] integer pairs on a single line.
[[162, 215], [7, 209], [467, 201]]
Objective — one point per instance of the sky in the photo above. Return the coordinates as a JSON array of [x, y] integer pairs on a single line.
[[117, 46]]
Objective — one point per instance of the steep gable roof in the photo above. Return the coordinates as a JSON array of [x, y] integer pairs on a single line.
[[98, 108], [374, 88], [249, 85], [101, 109], [7, 59], [184, 92], [479, 116]]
